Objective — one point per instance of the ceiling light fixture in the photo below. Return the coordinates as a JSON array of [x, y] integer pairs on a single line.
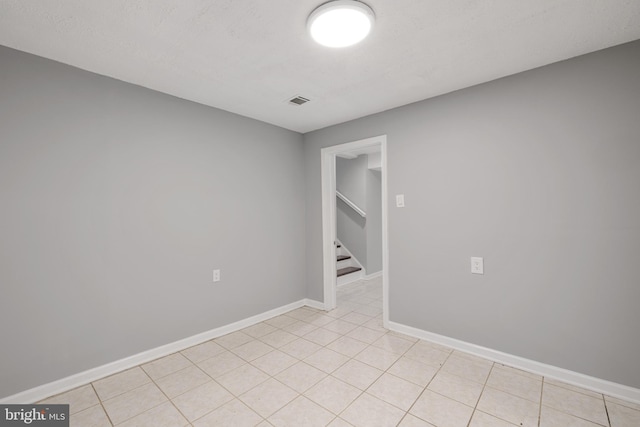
[[340, 23]]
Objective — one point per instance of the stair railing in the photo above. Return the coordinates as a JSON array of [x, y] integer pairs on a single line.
[[351, 204]]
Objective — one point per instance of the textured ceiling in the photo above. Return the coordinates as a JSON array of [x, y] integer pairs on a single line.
[[250, 56]]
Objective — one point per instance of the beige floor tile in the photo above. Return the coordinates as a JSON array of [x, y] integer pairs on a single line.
[[326, 360], [369, 411], [393, 344], [377, 357], [443, 348], [375, 324], [203, 351], [164, 415], [427, 355], [508, 407], [550, 417], [242, 379], [413, 421], [369, 310], [300, 376], [396, 391], [279, 338], [301, 313], [340, 311], [121, 383], [233, 340], [265, 423], [356, 318], [401, 335], [518, 385], [258, 330], [280, 321], [516, 371], [221, 364], [268, 397], [320, 320], [252, 350], [471, 357], [333, 394], [90, 417], [301, 412], [347, 346], [480, 419], [134, 402], [574, 403], [413, 371], [300, 348], [474, 370], [340, 326], [166, 365], [456, 388], [300, 328], [365, 334], [274, 362], [572, 388], [622, 416], [441, 411], [182, 381], [234, 413], [201, 400], [78, 399], [358, 374], [339, 422], [621, 402], [321, 336]]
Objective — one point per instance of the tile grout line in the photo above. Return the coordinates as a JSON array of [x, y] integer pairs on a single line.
[[540, 408], [606, 410], [101, 405], [484, 386]]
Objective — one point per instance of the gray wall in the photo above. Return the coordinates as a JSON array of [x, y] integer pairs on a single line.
[[116, 204], [538, 173], [351, 181], [374, 221]]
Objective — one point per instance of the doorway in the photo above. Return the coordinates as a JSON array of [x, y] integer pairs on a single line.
[[329, 212]]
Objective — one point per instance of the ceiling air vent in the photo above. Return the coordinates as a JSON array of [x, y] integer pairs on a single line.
[[298, 100]]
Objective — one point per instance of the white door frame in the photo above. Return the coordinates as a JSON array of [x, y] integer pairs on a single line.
[[328, 172]]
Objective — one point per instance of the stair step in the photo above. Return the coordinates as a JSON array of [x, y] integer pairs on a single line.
[[348, 270], [343, 257]]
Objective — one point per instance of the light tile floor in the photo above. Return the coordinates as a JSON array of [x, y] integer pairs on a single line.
[[341, 368]]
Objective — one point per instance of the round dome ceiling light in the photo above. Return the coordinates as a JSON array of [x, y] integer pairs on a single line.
[[340, 23]]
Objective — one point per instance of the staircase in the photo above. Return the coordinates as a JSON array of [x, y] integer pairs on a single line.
[[348, 268]]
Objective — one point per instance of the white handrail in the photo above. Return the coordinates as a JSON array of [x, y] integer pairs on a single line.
[[352, 205]]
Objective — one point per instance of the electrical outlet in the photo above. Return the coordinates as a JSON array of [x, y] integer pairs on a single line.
[[216, 275], [477, 265]]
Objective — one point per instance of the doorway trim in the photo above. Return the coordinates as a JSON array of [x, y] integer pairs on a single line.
[[328, 178]]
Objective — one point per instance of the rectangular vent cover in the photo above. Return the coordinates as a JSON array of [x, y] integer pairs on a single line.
[[298, 100]]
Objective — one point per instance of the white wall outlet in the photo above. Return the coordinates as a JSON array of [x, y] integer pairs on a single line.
[[400, 200], [216, 275], [477, 265]]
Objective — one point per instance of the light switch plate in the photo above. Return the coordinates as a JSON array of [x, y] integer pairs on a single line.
[[477, 265], [400, 200]]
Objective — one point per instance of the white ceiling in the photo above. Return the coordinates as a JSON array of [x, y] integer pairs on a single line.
[[250, 56]]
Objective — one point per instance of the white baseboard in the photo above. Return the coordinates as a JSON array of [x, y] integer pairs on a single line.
[[585, 381], [60, 386], [372, 275], [314, 304]]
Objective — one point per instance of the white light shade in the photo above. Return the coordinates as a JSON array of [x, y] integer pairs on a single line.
[[340, 23]]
